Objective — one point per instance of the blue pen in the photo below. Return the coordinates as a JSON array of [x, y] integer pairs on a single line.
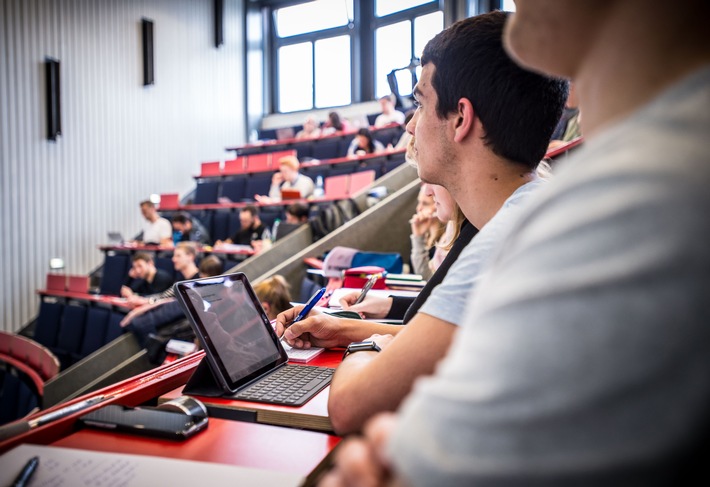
[[308, 307]]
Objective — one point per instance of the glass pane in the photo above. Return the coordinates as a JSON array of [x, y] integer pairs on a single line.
[[333, 71], [508, 6], [313, 16], [386, 7], [295, 77], [425, 28], [393, 50]]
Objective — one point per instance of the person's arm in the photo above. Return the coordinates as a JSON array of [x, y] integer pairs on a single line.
[[372, 307], [275, 189], [366, 383], [420, 257], [323, 330]]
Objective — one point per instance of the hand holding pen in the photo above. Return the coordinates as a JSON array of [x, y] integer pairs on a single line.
[[366, 288], [307, 308]]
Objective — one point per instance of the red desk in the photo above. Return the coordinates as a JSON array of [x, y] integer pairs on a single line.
[[228, 442], [92, 298], [312, 416], [206, 249]]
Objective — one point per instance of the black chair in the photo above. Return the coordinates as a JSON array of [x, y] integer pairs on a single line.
[[95, 330], [206, 192], [17, 396], [314, 171], [376, 164], [47, 326], [257, 184], [220, 225], [234, 189], [233, 223], [71, 335], [304, 150], [113, 329], [343, 168], [113, 274], [326, 149]]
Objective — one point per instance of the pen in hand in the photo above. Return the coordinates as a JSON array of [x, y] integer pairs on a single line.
[[368, 285], [306, 309], [25, 474]]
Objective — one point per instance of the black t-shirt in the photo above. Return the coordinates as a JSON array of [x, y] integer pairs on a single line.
[[246, 235], [161, 282]]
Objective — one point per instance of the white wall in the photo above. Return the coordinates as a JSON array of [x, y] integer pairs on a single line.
[[120, 141]]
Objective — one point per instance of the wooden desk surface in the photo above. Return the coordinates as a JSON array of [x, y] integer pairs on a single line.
[[229, 442], [312, 416]]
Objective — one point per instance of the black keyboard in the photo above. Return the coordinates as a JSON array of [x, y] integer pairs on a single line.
[[291, 385]]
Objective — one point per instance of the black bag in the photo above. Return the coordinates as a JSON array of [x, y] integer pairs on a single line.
[[326, 218]]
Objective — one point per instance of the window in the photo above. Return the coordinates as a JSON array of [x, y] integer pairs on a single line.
[[508, 6], [296, 77], [386, 7], [313, 16], [320, 59], [332, 86], [313, 55], [397, 44]]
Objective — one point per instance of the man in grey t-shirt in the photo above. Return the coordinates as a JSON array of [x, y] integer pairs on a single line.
[[584, 358]]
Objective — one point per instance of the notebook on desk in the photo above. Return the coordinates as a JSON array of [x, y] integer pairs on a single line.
[[244, 355]]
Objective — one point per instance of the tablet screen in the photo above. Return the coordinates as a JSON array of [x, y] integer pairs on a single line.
[[234, 328]]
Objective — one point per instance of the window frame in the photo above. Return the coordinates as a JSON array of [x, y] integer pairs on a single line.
[[362, 76]]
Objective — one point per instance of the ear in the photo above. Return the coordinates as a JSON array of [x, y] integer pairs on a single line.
[[266, 306], [465, 120]]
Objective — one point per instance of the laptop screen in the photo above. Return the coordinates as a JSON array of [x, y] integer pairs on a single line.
[[235, 331]]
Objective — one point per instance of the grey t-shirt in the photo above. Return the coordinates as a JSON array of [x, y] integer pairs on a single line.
[[585, 350], [448, 300]]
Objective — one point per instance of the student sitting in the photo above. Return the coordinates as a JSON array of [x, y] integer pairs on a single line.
[[274, 294], [251, 229], [363, 143], [144, 278], [498, 138], [287, 177], [189, 230]]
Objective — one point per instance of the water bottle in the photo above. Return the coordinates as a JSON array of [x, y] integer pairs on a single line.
[[266, 235], [318, 192], [275, 229]]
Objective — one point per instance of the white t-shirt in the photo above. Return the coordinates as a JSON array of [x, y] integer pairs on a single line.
[[156, 231], [584, 351], [385, 119]]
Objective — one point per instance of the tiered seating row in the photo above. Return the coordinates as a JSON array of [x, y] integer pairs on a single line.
[[242, 188], [326, 147]]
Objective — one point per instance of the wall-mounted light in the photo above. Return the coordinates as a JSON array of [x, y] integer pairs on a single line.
[[56, 264]]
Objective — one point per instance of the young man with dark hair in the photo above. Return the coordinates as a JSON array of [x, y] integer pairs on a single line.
[[455, 149], [190, 230], [584, 359], [145, 278], [251, 228]]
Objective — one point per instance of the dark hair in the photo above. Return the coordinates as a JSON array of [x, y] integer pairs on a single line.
[[211, 266], [299, 210], [144, 256], [251, 209], [517, 108], [181, 218], [335, 121], [370, 145]]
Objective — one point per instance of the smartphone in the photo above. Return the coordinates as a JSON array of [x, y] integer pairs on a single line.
[[145, 421]]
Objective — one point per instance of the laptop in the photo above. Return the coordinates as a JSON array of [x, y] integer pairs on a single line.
[[115, 238], [244, 354], [290, 194]]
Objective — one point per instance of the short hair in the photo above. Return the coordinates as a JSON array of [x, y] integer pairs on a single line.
[[211, 266], [518, 109], [251, 209], [144, 256], [390, 98], [188, 247], [290, 161], [275, 291], [147, 203], [299, 210], [181, 218]]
